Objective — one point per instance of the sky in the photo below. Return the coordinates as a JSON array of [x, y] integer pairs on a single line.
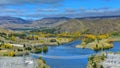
[[36, 9]]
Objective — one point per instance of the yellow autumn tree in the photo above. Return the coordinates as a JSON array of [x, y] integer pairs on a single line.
[[89, 36], [11, 53], [103, 36], [13, 38]]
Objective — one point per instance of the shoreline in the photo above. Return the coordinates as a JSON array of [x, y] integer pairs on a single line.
[[102, 44], [8, 49]]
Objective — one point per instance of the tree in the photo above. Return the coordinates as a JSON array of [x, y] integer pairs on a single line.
[[45, 49], [13, 38], [53, 40], [88, 40], [38, 50], [12, 54], [101, 66], [6, 46]]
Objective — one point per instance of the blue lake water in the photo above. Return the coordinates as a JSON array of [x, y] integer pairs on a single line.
[[116, 47], [68, 50]]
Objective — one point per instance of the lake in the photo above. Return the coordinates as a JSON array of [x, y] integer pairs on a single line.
[[67, 56]]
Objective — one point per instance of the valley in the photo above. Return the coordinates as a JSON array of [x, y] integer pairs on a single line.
[[74, 39]]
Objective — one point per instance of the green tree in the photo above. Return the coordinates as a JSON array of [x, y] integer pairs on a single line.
[[45, 49]]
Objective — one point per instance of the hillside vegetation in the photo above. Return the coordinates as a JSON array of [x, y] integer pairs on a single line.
[[94, 26]]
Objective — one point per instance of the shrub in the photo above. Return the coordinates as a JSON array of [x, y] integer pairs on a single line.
[[44, 61], [53, 40], [45, 49], [40, 58], [38, 50], [101, 66], [12, 54], [19, 49], [6, 46], [28, 48], [88, 40]]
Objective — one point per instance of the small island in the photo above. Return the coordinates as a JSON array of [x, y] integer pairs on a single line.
[[99, 42]]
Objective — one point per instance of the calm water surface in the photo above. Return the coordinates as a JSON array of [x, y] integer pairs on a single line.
[[68, 50]]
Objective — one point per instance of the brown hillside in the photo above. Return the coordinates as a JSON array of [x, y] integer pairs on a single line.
[[106, 25]]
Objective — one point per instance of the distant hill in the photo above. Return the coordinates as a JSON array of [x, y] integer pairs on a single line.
[[12, 20], [99, 17], [98, 24], [91, 25], [49, 22]]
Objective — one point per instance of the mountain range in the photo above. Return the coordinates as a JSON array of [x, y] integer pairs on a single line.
[[98, 24], [95, 26]]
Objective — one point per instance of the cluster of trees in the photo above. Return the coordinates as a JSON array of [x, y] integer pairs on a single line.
[[103, 36], [115, 34], [20, 35], [32, 37], [51, 31], [43, 49], [13, 36], [11, 53], [94, 61], [69, 35], [88, 40], [8, 46], [89, 36], [3, 34], [53, 40]]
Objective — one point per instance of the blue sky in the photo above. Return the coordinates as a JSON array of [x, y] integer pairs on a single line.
[[35, 9]]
